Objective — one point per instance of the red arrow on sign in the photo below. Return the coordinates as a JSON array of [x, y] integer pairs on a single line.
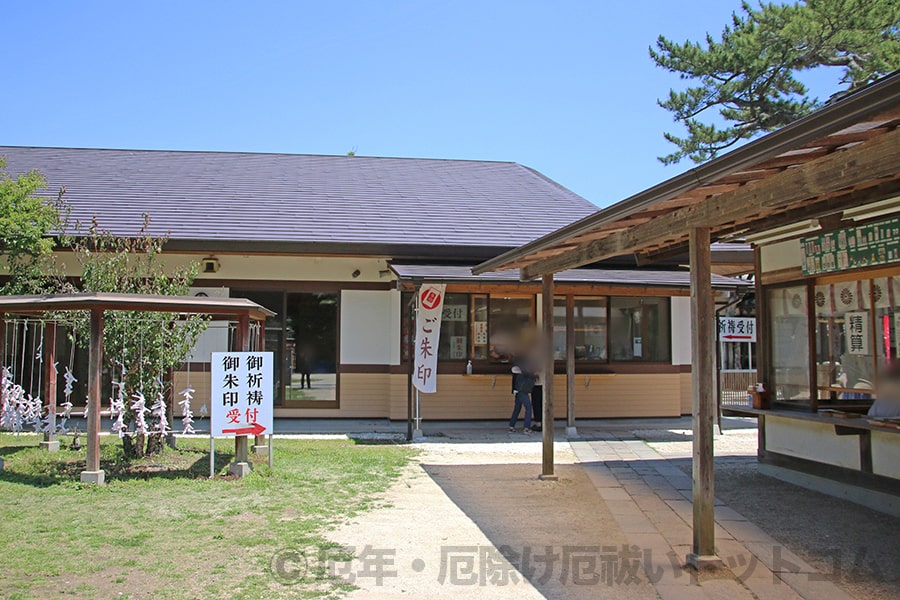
[[255, 429], [737, 337]]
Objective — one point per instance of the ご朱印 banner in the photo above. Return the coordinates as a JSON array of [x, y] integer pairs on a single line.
[[428, 333]]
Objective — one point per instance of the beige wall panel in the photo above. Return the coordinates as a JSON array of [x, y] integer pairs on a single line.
[[380, 395], [886, 454], [812, 441], [687, 394]]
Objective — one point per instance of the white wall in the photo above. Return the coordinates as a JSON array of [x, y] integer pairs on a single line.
[[781, 255], [681, 330], [370, 327], [215, 338]]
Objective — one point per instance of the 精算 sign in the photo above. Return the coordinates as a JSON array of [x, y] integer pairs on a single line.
[[242, 393]]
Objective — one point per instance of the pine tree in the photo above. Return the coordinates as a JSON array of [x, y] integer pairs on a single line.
[[749, 75]]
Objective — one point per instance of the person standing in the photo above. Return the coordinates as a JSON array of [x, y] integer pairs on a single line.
[[523, 385], [304, 365]]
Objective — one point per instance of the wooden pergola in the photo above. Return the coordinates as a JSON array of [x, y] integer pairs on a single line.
[[844, 155], [240, 310]]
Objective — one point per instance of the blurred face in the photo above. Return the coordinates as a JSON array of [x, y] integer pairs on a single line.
[[889, 387]]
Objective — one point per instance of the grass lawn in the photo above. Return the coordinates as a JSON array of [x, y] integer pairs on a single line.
[[161, 529]]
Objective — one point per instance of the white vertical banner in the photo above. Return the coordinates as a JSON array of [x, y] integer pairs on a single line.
[[428, 334], [857, 332]]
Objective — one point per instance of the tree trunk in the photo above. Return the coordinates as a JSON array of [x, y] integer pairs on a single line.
[[155, 444]]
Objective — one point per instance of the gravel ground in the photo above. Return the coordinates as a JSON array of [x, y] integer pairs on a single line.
[[858, 548]]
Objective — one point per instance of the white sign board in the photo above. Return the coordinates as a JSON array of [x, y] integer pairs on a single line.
[[857, 332], [242, 393], [737, 329], [455, 312], [428, 333]]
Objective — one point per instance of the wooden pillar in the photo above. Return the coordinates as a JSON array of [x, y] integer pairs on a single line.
[[703, 553], [547, 338], [570, 366], [49, 391], [92, 473], [2, 339], [242, 342], [2, 361]]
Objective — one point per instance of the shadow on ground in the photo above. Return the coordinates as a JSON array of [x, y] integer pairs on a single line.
[[47, 469], [529, 519]]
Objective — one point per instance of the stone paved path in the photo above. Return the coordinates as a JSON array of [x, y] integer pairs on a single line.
[[615, 525], [650, 500]]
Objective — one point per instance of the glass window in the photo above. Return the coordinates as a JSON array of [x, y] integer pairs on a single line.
[[310, 363], [454, 339], [508, 317], [559, 328], [639, 329], [273, 301], [789, 333], [589, 328], [886, 299], [845, 362], [405, 318]]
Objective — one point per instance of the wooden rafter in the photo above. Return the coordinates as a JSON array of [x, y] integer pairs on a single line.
[[878, 158]]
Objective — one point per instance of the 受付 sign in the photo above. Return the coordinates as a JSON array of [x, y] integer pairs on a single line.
[[428, 333], [242, 393], [737, 329]]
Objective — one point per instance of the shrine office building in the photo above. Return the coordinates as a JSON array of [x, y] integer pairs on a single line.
[[336, 246]]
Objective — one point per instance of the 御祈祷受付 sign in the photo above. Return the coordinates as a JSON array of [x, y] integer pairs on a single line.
[[242, 393]]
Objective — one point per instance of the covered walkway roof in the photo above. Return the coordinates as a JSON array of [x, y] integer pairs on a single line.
[[845, 155], [612, 277], [841, 156]]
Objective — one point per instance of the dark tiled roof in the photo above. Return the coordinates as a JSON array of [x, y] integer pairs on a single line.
[[625, 277], [246, 197]]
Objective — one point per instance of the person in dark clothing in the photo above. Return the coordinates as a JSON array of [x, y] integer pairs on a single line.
[[522, 386], [305, 368]]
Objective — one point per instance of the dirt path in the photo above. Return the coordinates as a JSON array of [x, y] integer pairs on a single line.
[[470, 518]]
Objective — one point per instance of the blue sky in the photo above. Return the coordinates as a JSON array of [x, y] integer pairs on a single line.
[[564, 87]]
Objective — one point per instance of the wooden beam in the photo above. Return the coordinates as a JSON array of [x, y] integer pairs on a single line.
[[875, 159], [549, 363], [704, 402]]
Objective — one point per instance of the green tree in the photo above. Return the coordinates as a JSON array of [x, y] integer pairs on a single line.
[[26, 222], [749, 75], [147, 344]]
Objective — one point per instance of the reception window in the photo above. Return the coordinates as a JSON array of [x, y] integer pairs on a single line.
[[639, 329], [789, 335], [590, 320]]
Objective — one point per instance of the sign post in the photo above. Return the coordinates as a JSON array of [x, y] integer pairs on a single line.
[[242, 395]]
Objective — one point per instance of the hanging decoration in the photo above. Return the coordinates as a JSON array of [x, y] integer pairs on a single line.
[[158, 410], [140, 410], [187, 415], [117, 403]]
